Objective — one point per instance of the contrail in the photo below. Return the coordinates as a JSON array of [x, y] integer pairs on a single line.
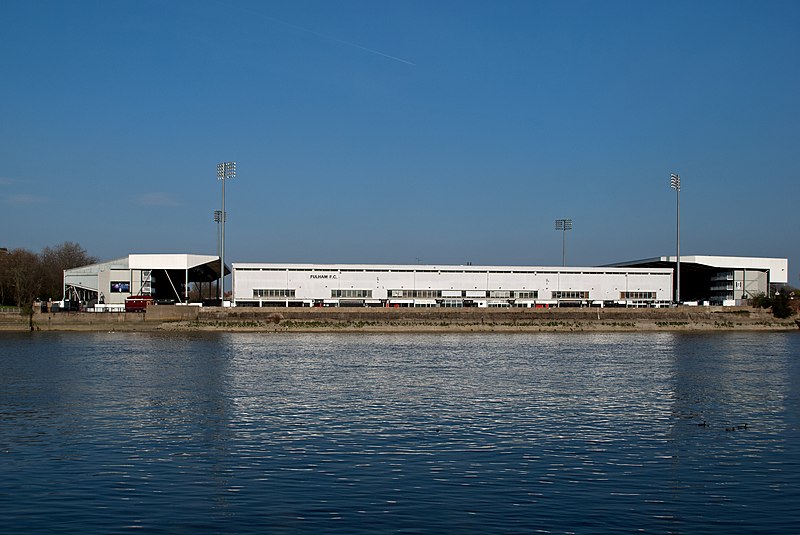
[[336, 39], [321, 35]]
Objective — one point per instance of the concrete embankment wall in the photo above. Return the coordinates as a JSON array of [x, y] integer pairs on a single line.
[[89, 321], [191, 318], [13, 320], [153, 319]]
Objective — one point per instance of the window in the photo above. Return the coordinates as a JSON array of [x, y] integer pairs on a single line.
[[637, 295], [527, 294], [570, 294], [500, 294], [147, 285], [258, 292], [424, 294], [351, 293]]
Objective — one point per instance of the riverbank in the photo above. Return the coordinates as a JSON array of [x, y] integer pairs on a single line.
[[188, 318]]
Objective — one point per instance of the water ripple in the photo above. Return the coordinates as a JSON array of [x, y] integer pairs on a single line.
[[246, 433]]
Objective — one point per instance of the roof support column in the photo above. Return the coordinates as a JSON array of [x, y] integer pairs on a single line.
[[177, 294]]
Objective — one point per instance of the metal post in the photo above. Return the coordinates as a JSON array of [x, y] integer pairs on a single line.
[[222, 250], [225, 170], [218, 221], [675, 183]]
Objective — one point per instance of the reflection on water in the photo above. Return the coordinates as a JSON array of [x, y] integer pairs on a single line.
[[239, 433]]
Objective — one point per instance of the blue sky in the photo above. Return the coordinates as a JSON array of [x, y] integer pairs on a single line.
[[402, 132]]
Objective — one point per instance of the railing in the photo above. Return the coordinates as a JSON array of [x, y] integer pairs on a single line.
[[722, 288]]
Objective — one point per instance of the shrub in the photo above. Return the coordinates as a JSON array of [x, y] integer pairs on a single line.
[[761, 300], [780, 306]]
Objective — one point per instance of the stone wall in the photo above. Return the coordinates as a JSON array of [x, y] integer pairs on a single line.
[[476, 315], [487, 319]]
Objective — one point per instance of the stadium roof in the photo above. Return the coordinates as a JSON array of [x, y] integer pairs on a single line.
[[778, 268]]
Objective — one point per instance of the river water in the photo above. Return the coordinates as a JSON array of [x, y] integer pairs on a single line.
[[308, 433]]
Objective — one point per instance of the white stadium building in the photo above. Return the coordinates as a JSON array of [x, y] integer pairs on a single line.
[[176, 278], [446, 286]]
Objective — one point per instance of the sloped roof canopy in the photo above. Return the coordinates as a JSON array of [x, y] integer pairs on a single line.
[[777, 268], [86, 276], [201, 268]]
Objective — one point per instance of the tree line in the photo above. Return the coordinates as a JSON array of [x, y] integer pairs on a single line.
[[26, 276]]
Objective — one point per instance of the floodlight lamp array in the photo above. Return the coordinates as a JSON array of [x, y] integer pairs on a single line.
[[563, 224], [675, 182], [226, 170]]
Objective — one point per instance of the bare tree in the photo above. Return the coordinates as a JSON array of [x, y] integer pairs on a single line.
[[4, 291], [25, 276], [54, 260], [22, 276]]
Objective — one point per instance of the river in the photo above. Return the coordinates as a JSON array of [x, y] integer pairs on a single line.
[[410, 433]]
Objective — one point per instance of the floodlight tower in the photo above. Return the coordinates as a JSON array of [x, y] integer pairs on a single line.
[[675, 183], [225, 170], [218, 220], [563, 225]]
